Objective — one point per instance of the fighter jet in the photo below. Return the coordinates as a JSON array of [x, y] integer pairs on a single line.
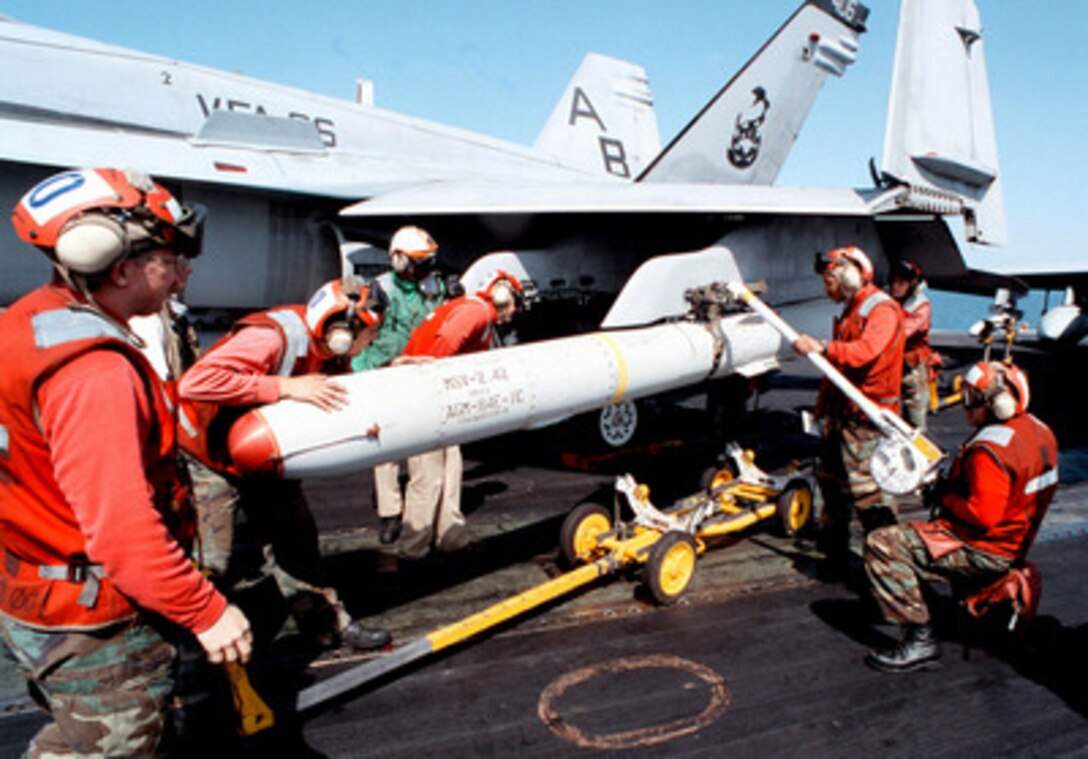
[[1065, 324], [275, 165], [590, 216]]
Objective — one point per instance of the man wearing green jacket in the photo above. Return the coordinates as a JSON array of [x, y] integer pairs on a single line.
[[415, 290]]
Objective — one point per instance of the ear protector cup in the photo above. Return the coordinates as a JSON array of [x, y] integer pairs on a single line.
[[90, 244], [502, 293], [339, 338], [849, 277], [1003, 405], [399, 261]]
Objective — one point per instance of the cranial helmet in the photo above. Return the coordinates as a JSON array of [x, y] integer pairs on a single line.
[[412, 245], [907, 271], [1002, 387], [852, 267], [340, 309], [87, 220], [501, 288]]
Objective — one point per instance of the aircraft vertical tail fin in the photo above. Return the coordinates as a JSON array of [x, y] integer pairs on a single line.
[[605, 121], [745, 132], [940, 130]]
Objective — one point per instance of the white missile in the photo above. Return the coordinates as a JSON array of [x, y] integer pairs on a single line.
[[400, 411]]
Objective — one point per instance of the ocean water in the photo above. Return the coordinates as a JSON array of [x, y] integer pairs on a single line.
[[957, 312]]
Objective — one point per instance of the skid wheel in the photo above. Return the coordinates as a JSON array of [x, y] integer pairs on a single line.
[[581, 528], [671, 566], [794, 507], [716, 476]]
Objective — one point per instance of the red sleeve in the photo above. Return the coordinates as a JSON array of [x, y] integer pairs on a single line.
[[96, 416], [989, 489], [240, 372], [463, 327], [878, 335], [917, 320]]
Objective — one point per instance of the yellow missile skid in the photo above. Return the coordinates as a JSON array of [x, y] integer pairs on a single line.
[[735, 497], [668, 542]]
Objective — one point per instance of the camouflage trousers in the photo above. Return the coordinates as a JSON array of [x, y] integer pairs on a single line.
[[897, 561], [916, 395], [216, 502], [284, 527], [847, 485], [280, 517], [105, 689]]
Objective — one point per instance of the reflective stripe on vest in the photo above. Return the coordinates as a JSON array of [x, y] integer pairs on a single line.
[[874, 300], [297, 336], [911, 304], [1042, 482], [52, 328], [997, 434], [186, 423]]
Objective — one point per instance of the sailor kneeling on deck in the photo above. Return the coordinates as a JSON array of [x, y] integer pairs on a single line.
[[989, 509]]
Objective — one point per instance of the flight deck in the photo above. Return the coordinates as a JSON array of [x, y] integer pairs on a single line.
[[759, 657]]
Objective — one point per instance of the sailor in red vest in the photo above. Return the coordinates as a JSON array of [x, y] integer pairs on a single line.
[[285, 352], [432, 500], [908, 288], [990, 507], [867, 347], [94, 520]]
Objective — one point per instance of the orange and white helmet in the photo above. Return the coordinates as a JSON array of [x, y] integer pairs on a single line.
[[340, 309], [86, 220], [501, 288], [848, 254], [414, 242], [1002, 387]]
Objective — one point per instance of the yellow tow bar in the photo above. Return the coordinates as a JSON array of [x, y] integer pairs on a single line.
[[455, 633], [667, 542]]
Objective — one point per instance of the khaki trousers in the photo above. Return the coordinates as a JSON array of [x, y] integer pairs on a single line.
[[387, 489], [432, 501]]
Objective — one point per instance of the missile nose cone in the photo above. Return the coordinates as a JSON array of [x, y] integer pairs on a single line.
[[253, 446]]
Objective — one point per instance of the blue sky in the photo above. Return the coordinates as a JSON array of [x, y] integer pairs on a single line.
[[498, 66]]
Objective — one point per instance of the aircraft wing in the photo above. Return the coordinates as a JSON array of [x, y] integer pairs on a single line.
[[455, 198], [308, 172], [1054, 280]]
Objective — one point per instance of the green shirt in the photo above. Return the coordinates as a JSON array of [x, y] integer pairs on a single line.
[[407, 309]]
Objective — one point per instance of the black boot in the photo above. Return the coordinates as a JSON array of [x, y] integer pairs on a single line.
[[364, 638], [917, 649]]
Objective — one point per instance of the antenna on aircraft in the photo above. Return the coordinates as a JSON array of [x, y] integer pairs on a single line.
[[364, 91]]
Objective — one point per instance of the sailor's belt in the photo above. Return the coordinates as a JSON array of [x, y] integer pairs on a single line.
[[83, 573]]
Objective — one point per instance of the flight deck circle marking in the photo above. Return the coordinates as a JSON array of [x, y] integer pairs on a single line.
[[547, 708]]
